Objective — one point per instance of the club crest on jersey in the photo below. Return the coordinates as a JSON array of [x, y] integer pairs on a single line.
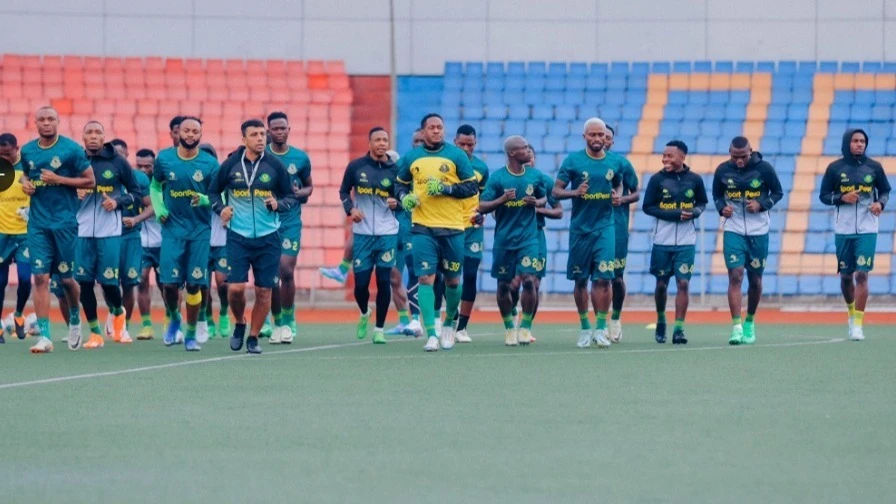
[[387, 256], [386, 182], [539, 264], [844, 176], [603, 267], [56, 162], [38, 263], [609, 175], [108, 274], [755, 183], [63, 267], [197, 176], [132, 273], [576, 270], [108, 174], [444, 168], [357, 262], [689, 193], [197, 273], [31, 164], [292, 170], [265, 178], [286, 244], [502, 270], [868, 178], [530, 190], [585, 176], [424, 264]]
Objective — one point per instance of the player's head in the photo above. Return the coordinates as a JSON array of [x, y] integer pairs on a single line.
[[531, 154], [47, 121], [174, 129], [278, 126], [433, 127], [254, 135], [190, 132], [609, 138], [146, 158], [209, 149], [858, 141], [517, 149], [417, 140], [740, 151], [120, 146], [466, 139], [378, 139], [594, 133], [94, 136], [673, 155], [9, 147]]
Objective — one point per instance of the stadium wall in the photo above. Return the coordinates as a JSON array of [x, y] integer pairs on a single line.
[[430, 32]]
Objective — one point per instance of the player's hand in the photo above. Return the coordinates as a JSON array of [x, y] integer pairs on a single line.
[[686, 215], [409, 202], [356, 215], [161, 215], [199, 200], [82, 193], [271, 203], [530, 200], [392, 203], [226, 214], [753, 206], [477, 219], [728, 211], [129, 222], [434, 187], [109, 204], [49, 176], [616, 198], [27, 187], [582, 189], [850, 198], [875, 208], [509, 195]]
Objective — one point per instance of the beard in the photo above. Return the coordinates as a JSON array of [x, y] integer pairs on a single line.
[[189, 145]]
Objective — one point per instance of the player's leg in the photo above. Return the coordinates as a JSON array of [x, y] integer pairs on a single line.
[[206, 323], [64, 243], [412, 286], [683, 263], [172, 269], [426, 260], [197, 287], [362, 252], [287, 295], [149, 262], [222, 286], [23, 290], [4, 280], [846, 267], [340, 273], [505, 307], [108, 257], [474, 238], [864, 253], [735, 300], [238, 276], [451, 249], [618, 287], [129, 273], [578, 269], [42, 250], [758, 248], [661, 261], [602, 274], [264, 258], [385, 249], [527, 264]]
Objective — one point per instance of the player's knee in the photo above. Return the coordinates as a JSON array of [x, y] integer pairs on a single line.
[[515, 283], [861, 277], [682, 284], [846, 279], [618, 282], [601, 284], [504, 287], [41, 280], [736, 276], [754, 280], [528, 282], [263, 294], [662, 285], [581, 284]]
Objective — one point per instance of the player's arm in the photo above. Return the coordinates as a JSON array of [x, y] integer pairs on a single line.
[[155, 191], [494, 196], [403, 185], [882, 186], [307, 188], [700, 198], [630, 182], [84, 180], [286, 198], [345, 189], [553, 209], [775, 191], [129, 182], [828, 193], [652, 198], [718, 191], [564, 177], [217, 185], [147, 211]]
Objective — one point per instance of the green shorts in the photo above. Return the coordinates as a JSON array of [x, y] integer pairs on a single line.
[[621, 251], [98, 259], [217, 260], [474, 240], [668, 260], [592, 255], [14, 248], [541, 268], [56, 286], [150, 258], [131, 257], [403, 249], [438, 253], [52, 250], [374, 251], [184, 260], [291, 239], [745, 251], [855, 252], [519, 260]]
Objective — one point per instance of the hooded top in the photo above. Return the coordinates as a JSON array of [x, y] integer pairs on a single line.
[[735, 187], [854, 173], [667, 194], [115, 179], [373, 183]]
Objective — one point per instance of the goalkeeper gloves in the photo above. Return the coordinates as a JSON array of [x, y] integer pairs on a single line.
[[434, 187], [409, 202]]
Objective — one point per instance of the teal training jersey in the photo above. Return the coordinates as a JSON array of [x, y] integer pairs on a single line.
[[54, 206], [552, 202], [298, 165], [515, 222], [137, 207], [594, 211], [629, 185], [182, 179]]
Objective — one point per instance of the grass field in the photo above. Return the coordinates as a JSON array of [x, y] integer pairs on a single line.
[[803, 416]]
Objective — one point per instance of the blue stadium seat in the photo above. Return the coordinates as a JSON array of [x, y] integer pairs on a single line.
[[555, 83], [453, 82], [640, 68], [802, 96], [494, 83], [786, 67], [710, 128], [518, 112], [765, 67], [538, 68], [566, 112], [496, 112], [555, 144], [795, 128], [883, 97], [771, 144], [885, 243], [617, 83], [807, 67], [489, 143], [558, 127], [471, 112], [573, 97], [719, 97], [735, 112], [876, 149], [745, 67], [860, 113], [596, 82], [492, 128], [829, 67], [690, 128], [787, 285], [514, 125], [578, 68], [865, 97], [678, 98], [494, 98], [661, 67], [639, 242], [797, 112], [623, 144], [557, 69], [702, 66], [619, 68], [514, 83], [782, 81], [631, 112], [553, 97], [879, 129], [454, 68], [850, 67], [809, 284], [774, 128], [673, 112], [739, 98], [576, 82], [514, 97], [474, 68], [705, 145], [714, 112], [599, 69], [681, 67], [611, 114], [516, 68], [494, 69], [777, 112], [724, 66], [698, 98], [694, 112], [891, 146], [534, 83], [729, 130], [872, 67]]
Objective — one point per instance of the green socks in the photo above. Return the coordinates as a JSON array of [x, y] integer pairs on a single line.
[[94, 327], [191, 332], [17, 314], [404, 317], [679, 324], [508, 321], [660, 317], [74, 316], [147, 320], [426, 299], [616, 315], [43, 324], [174, 314], [735, 321], [117, 310], [583, 321], [344, 267], [526, 322], [202, 316], [601, 320], [749, 319], [452, 301]]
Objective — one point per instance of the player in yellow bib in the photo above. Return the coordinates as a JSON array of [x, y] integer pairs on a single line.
[[13, 233]]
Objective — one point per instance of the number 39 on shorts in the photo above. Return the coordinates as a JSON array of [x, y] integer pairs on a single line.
[[453, 267]]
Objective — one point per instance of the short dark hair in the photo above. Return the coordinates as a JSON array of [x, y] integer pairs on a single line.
[[146, 153], [277, 115], [251, 123], [189, 118], [428, 117], [678, 144], [466, 129], [175, 122], [9, 140], [117, 142], [611, 130], [210, 149], [739, 142], [374, 130]]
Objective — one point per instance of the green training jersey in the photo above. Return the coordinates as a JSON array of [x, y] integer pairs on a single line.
[[136, 208], [515, 222], [594, 211], [552, 202], [629, 185], [182, 179], [298, 165], [54, 206], [471, 204]]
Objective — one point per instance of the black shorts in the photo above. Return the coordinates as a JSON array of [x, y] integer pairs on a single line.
[[261, 254]]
